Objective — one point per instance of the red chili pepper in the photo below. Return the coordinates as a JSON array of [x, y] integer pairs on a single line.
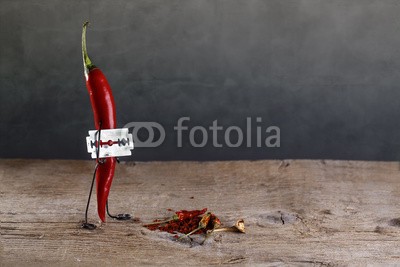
[[104, 118]]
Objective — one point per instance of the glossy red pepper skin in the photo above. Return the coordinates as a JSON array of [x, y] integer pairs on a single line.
[[103, 107], [104, 177], [102, 99]]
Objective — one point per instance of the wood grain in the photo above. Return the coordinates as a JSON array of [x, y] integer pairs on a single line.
[[297, 212]]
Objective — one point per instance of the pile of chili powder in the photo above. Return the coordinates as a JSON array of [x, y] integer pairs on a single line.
[[184, 222]]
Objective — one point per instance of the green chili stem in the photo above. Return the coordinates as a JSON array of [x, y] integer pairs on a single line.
[[173, 218], [87, 63], [194, 231], [161, 222]]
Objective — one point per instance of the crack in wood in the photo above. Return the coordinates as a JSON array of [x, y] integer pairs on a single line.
[[235, 260]]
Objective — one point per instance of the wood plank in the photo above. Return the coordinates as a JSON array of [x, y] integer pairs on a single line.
[[296, 212]]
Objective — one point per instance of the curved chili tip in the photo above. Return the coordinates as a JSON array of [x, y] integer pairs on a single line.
[[104, 177], [87, 63], [101, 210]]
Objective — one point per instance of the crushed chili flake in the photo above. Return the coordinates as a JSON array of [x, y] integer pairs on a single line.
[[184, 222]]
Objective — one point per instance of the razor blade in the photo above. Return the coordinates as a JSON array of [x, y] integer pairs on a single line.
[[109, 143]]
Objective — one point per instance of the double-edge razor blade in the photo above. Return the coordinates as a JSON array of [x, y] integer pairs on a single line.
[[109, 143]]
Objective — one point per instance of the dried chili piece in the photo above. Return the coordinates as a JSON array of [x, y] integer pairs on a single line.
[[187, 223], [180, 215], [202, 224], [184, 214]]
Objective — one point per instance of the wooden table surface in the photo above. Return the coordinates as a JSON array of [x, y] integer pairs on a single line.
[[297, 212]]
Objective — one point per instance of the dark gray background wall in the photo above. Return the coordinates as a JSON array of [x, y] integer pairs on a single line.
[[325, 72]]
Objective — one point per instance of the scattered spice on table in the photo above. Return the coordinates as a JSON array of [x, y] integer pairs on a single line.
[[188, 223], [183, 221]]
